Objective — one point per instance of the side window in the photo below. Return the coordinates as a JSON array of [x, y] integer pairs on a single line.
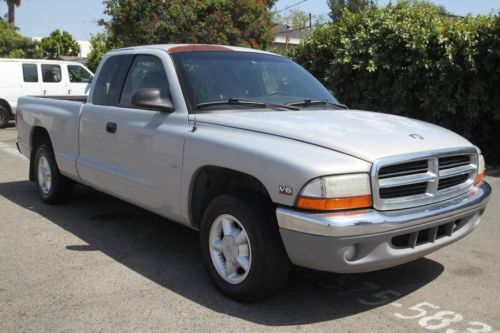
[[78, 74], [146, 72], [30, 73], [51, 73], [110, 79]]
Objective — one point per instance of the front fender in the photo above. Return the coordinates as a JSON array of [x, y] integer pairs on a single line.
[[274, 161]]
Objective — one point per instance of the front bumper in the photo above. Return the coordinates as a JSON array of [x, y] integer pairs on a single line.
[[367, 240]]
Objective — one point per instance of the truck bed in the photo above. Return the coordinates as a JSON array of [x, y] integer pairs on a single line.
[[58, 115]]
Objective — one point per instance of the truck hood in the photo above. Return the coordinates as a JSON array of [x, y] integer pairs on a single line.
[[365, 135]]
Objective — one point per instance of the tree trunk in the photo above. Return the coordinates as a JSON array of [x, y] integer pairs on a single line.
[[11, 12]]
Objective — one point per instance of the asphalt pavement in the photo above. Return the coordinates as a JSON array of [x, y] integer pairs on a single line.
[[98, 264]]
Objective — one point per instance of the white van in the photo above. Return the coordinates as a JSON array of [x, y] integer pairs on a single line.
[[34, 77]]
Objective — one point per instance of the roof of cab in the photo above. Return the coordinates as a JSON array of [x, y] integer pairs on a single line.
[[177, 48]]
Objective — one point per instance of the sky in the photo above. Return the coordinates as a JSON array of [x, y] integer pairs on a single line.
[[37, 18]]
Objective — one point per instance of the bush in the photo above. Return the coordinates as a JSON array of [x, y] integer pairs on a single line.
[[412, 61]]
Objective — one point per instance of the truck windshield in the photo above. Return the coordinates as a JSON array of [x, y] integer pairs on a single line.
[[211, 77]]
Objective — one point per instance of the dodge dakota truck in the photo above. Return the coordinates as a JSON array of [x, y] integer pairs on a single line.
[[251, 150]]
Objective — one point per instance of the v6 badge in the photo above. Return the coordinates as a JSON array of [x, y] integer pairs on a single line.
[[286, 190]]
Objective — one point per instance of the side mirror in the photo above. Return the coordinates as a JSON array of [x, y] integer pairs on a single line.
[[150, 98]]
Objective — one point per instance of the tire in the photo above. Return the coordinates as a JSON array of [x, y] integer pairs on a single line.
[[53, 187], [4, 117], [261, 266]]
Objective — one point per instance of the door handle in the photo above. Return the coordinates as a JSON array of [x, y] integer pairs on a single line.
[[111, 127]]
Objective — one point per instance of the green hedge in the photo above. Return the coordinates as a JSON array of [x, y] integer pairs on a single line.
[[411, 61]]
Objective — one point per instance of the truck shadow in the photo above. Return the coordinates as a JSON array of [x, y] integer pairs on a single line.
[[168, 254]]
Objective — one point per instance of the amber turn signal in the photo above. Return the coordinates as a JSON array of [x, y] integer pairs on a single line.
[[363, 201], [479, 178], [480, 170]]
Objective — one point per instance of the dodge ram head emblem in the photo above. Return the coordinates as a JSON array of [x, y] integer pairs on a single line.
[[416, 136]]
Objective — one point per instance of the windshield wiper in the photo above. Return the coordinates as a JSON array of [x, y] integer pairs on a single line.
[[243, 101], [309, 101]]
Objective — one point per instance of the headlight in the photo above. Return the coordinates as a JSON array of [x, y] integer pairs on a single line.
[[480, 170], [336, 192]]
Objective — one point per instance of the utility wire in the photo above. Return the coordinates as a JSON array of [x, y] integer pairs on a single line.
[[291, 6]]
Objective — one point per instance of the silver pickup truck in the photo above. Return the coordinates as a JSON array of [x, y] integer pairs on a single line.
[[251, 150]]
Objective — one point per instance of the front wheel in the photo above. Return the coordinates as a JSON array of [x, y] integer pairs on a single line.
[[241, 247], [53, 187]]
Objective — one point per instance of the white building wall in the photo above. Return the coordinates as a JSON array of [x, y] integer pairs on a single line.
[[85, 48]]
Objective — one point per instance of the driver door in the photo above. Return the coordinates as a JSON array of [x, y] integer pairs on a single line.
[[133, 153]]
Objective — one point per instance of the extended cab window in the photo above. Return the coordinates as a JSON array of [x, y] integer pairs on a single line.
[[78, 74], [110, 79], [146, 72], [30, 73], [51, 73]]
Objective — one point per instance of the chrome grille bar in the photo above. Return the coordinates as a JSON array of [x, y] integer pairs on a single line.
[[405, 180], [455, 171], [414, 180]]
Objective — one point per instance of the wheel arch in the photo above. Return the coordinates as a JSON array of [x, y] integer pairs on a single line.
[[210, 181]]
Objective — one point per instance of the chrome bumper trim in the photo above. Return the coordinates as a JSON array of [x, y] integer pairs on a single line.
[[370, 221]]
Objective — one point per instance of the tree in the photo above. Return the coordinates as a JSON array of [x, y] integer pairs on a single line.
[[294, 18], [59, 44], [441, 10], [99, 46], [139, 22], [354, 6], [297, 19], [13, 45], [11, 5]]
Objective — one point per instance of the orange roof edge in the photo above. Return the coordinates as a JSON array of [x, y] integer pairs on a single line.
[[198, 48]]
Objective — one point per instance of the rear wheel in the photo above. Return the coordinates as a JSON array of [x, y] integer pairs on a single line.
[[241, 247], [53, 187], [4, 117]]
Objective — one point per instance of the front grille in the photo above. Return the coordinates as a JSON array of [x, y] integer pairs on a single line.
[[402, 191], [452, 181], [403, 182], [429, 235], [453, 161], [403, 169]]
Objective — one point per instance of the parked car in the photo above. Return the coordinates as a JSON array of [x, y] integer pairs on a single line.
[[33, 77], [251, 150]]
